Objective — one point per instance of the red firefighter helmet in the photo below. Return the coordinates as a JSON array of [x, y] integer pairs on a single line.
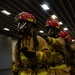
[[25, 22], [70, 39], [52, 28], [63, 34], [52, 23], [25, 16]]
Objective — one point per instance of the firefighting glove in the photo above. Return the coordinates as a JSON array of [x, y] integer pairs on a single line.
[[28, 54]]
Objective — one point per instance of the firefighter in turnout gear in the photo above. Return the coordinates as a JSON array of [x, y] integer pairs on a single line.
[[71, 50], [31, 54], [57, 48]]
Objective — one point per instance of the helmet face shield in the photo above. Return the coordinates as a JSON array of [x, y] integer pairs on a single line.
[[21, 25], [23, 28], [53, 32]]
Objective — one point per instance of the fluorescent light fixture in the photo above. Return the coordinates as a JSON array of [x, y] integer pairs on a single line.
[[41, 31], [45, 7], [73, 40], [5, 12], [53, 16], [60, 23], [65, 28], [6, 29]]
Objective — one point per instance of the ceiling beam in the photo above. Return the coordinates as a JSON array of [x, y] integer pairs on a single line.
[[53, 2], [70, 5], [61, 2]]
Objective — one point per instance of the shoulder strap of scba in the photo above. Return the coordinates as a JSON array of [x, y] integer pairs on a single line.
[[18, 44], [35, 40], [18, 48]]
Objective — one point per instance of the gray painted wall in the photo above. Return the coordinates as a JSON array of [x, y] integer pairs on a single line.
[[5, 55]]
